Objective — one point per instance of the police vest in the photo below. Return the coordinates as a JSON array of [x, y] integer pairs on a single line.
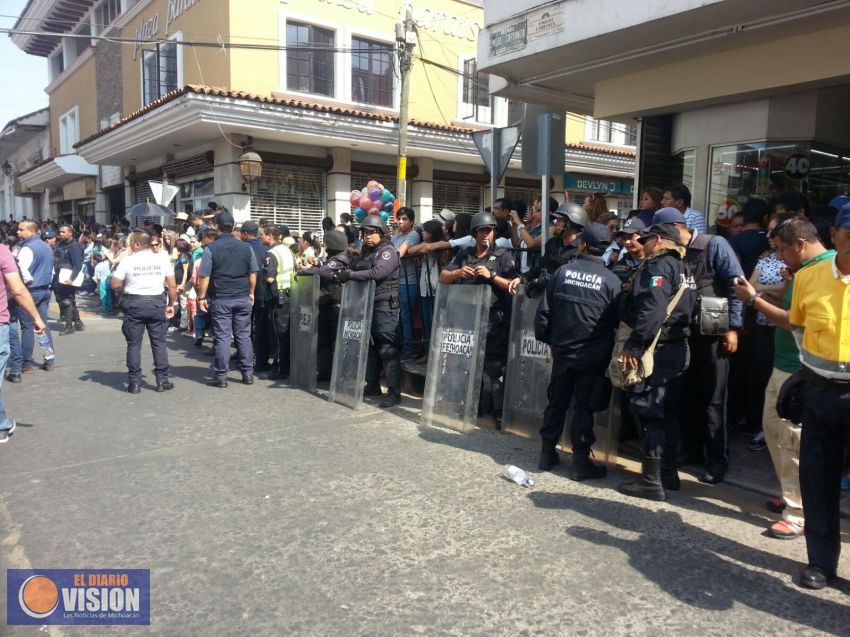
[[698, 271], [558, 253], [386, 289], [491, 260], [285, 266]]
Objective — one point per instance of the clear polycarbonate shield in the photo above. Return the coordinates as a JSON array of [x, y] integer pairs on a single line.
[[352, 344], [606, 428], [303, 330], [456, 357], [528, 371]]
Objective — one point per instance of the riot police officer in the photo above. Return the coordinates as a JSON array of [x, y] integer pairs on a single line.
[[68, 262], [577, 317], [567, 221], [379, 262], [655, 401], [486, 264], [336, 246]]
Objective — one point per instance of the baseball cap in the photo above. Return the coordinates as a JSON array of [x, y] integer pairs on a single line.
[[667, 215], [284, 229], [663, 231], [595, 235], [842, 219], [839, 202], [250, 227], [633, 226], [50, 233], [224, 219]]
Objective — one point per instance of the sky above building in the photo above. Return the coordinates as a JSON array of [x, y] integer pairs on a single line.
[[22, 77]]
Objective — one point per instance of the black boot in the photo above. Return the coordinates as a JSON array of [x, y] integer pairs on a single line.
[[669, 473], [585, 469], [392, 377], [78, 324], [548, 456], [648, 485]]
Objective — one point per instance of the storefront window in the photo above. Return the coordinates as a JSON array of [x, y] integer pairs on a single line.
[[683, 171], [196, 194], [768, 169]]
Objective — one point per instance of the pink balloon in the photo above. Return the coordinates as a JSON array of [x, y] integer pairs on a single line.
[[355, 197], [375, 209], [365, 201]]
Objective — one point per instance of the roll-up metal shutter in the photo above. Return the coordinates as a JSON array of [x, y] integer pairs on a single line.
[[291, 195], [457, 196], [143, 191], [522, 193]]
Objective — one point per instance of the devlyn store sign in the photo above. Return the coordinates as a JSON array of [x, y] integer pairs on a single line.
[[149, 28]]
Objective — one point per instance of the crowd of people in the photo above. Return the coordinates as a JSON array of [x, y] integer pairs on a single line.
[[702, 332]]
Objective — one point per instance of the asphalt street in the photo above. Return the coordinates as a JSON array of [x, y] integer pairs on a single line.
[[265, 510]]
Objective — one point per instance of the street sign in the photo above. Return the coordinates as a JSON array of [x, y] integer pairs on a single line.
[[506, 141], [163, 192], [509, 39], [535, 159]]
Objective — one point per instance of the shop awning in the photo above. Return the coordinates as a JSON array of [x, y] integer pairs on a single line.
[[57, 171]]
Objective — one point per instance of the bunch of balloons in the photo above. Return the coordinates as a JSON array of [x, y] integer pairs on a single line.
[[374, 199]]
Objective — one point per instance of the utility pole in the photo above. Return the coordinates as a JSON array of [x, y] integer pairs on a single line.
[[405, 38]]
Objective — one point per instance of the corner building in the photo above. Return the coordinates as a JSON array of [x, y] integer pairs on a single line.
[[313, 89]]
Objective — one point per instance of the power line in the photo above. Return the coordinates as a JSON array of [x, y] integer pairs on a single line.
[[220, 44]]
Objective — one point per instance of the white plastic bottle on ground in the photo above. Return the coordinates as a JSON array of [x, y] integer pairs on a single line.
[[46, 347], [518, 475]]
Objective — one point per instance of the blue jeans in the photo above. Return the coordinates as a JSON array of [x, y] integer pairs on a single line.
[[16, 359], [5, 422], [408, 296], [41, 298]]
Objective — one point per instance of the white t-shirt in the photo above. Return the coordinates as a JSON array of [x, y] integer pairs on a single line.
[[144, 272]]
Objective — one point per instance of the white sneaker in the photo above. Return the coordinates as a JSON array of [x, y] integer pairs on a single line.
[[12, 428]]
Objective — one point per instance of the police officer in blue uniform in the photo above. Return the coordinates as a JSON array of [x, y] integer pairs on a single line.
[[712, 268], [655, 402], [228, 274], [486, 264], [577, 317], [35, 259], [336, 246], [379, 262]]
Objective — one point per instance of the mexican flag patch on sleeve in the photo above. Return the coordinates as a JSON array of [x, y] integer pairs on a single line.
[[656, 281]]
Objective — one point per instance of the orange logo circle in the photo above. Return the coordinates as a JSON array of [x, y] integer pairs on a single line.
[[38, 596]]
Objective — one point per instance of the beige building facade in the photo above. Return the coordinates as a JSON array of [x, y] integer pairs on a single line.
[[180, 89]]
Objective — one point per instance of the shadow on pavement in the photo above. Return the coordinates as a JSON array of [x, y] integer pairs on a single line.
[[695, 566]]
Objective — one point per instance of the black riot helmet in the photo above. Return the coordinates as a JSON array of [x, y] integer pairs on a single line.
[[572, 213], [376, 223], [483, 220]]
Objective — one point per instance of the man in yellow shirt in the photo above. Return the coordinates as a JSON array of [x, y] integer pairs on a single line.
[[820, 305]]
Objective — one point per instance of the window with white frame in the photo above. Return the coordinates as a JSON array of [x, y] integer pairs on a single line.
[[372, 72], [105, 13], [160, 70], [309, 59], [475, 102], [598, 130], [69, 131], [82, 43]]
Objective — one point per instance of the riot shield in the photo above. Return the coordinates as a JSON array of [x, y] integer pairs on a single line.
[[606, 428], [303, 330], [528, 371], [456, 357], [352, 344]]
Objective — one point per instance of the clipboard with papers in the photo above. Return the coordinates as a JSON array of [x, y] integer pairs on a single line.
[[65, 274]]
